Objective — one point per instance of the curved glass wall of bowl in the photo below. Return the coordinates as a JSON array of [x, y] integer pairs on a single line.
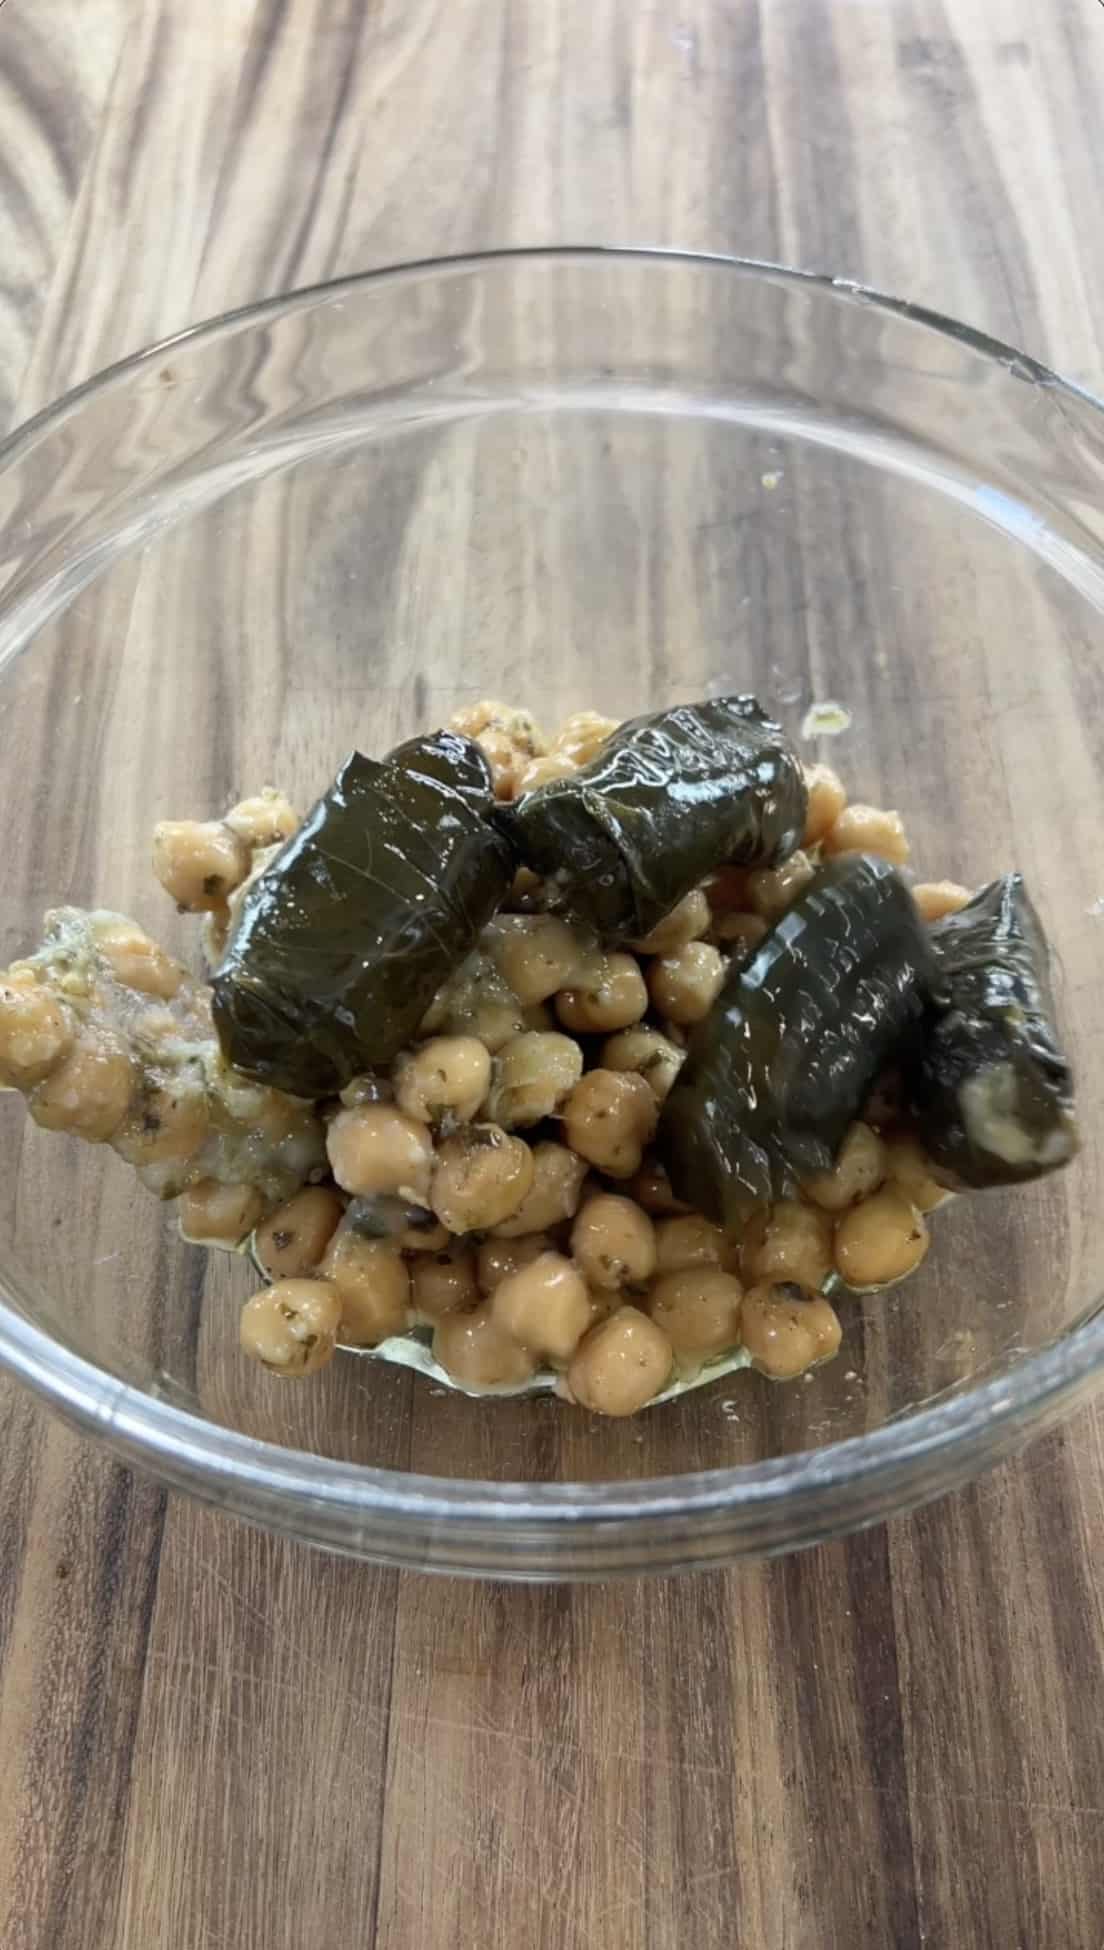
[[567, 479]]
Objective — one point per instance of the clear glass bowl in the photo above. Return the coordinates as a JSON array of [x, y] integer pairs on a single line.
[[565, 478]]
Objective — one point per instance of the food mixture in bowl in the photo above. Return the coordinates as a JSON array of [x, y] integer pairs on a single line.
[[606, 1061]]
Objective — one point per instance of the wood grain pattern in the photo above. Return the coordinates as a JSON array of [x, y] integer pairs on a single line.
[[208, 1737]]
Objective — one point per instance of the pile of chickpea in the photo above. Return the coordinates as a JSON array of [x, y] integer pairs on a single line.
[[495, 1188]]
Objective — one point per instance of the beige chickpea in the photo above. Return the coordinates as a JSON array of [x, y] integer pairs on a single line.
[[88, 1091], [441, 1282], [741, 933], [480, 1178], [653, 1056], [790, 1241], [213, 1214], [608, 1119], [524, 885], [506, 760], [136, 961], [478, 1353], [827, 799], [291, 1328], [868, 829], [611, 996], [422, 1235], [534, 1073], [494, 1020], [544, 1305], [166, 1122], [293, 1238], [582, 735], [651, 1188], [372, 1282], [698, 1309], [621, 1364], [690, 1240], [471, 719], [553, 1195], [909, 1167], [36, 1033], [614, 1243], [266, 819], [787, 1330], [377, 1148], [535, 954], [937, 898], [859, 1169], [684, 923], [685, 985], [447, 1078], [542, 771], [880, 1241], [497, 1258], [773, 890], [199, 862]]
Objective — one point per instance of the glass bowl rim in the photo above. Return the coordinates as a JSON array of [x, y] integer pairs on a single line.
[[178, 1445]]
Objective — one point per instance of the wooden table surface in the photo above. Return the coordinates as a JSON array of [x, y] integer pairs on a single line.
[[209, 1738]]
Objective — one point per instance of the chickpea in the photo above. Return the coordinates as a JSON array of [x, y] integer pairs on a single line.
[[937, 898], [497, 1258], [265, 820], [506, 761], [790, 1241], [422, 1235], [773, 890], [199, 862], [533, 1075], [684, 923], [441, 1282], [553, 1195], [911, 1170], [36, 1033], [376, 1148], [136, 961], [582, 735], [481, 1178], [685, 985], [89, 1089], [494, 1021], [372, 1283], [612, 996], [447, 1077], [651, 1188], [621, 1364], [859, 1169], [293, 1239], [787, 1330], [166, 1123], [542, 771], [544, 1305], [614, 1243], [690, 1240], [524, 885], [291, 1328], [742, 933], [698, 1309], [535, 954], [368, 1089], [881, 1240], [609, 1118], [213, 1214], [478, 1353], [652, 1055], [868, 829], [491, 714], [827, 799]]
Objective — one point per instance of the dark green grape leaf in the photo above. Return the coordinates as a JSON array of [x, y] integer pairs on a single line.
[[783, 1062], [667, 799], [991, 1090], [348, 934]]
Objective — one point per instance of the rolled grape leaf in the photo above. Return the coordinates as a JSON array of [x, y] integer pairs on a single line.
[[991, 1089], [346, 936], [783, 1062], [667, 799]]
